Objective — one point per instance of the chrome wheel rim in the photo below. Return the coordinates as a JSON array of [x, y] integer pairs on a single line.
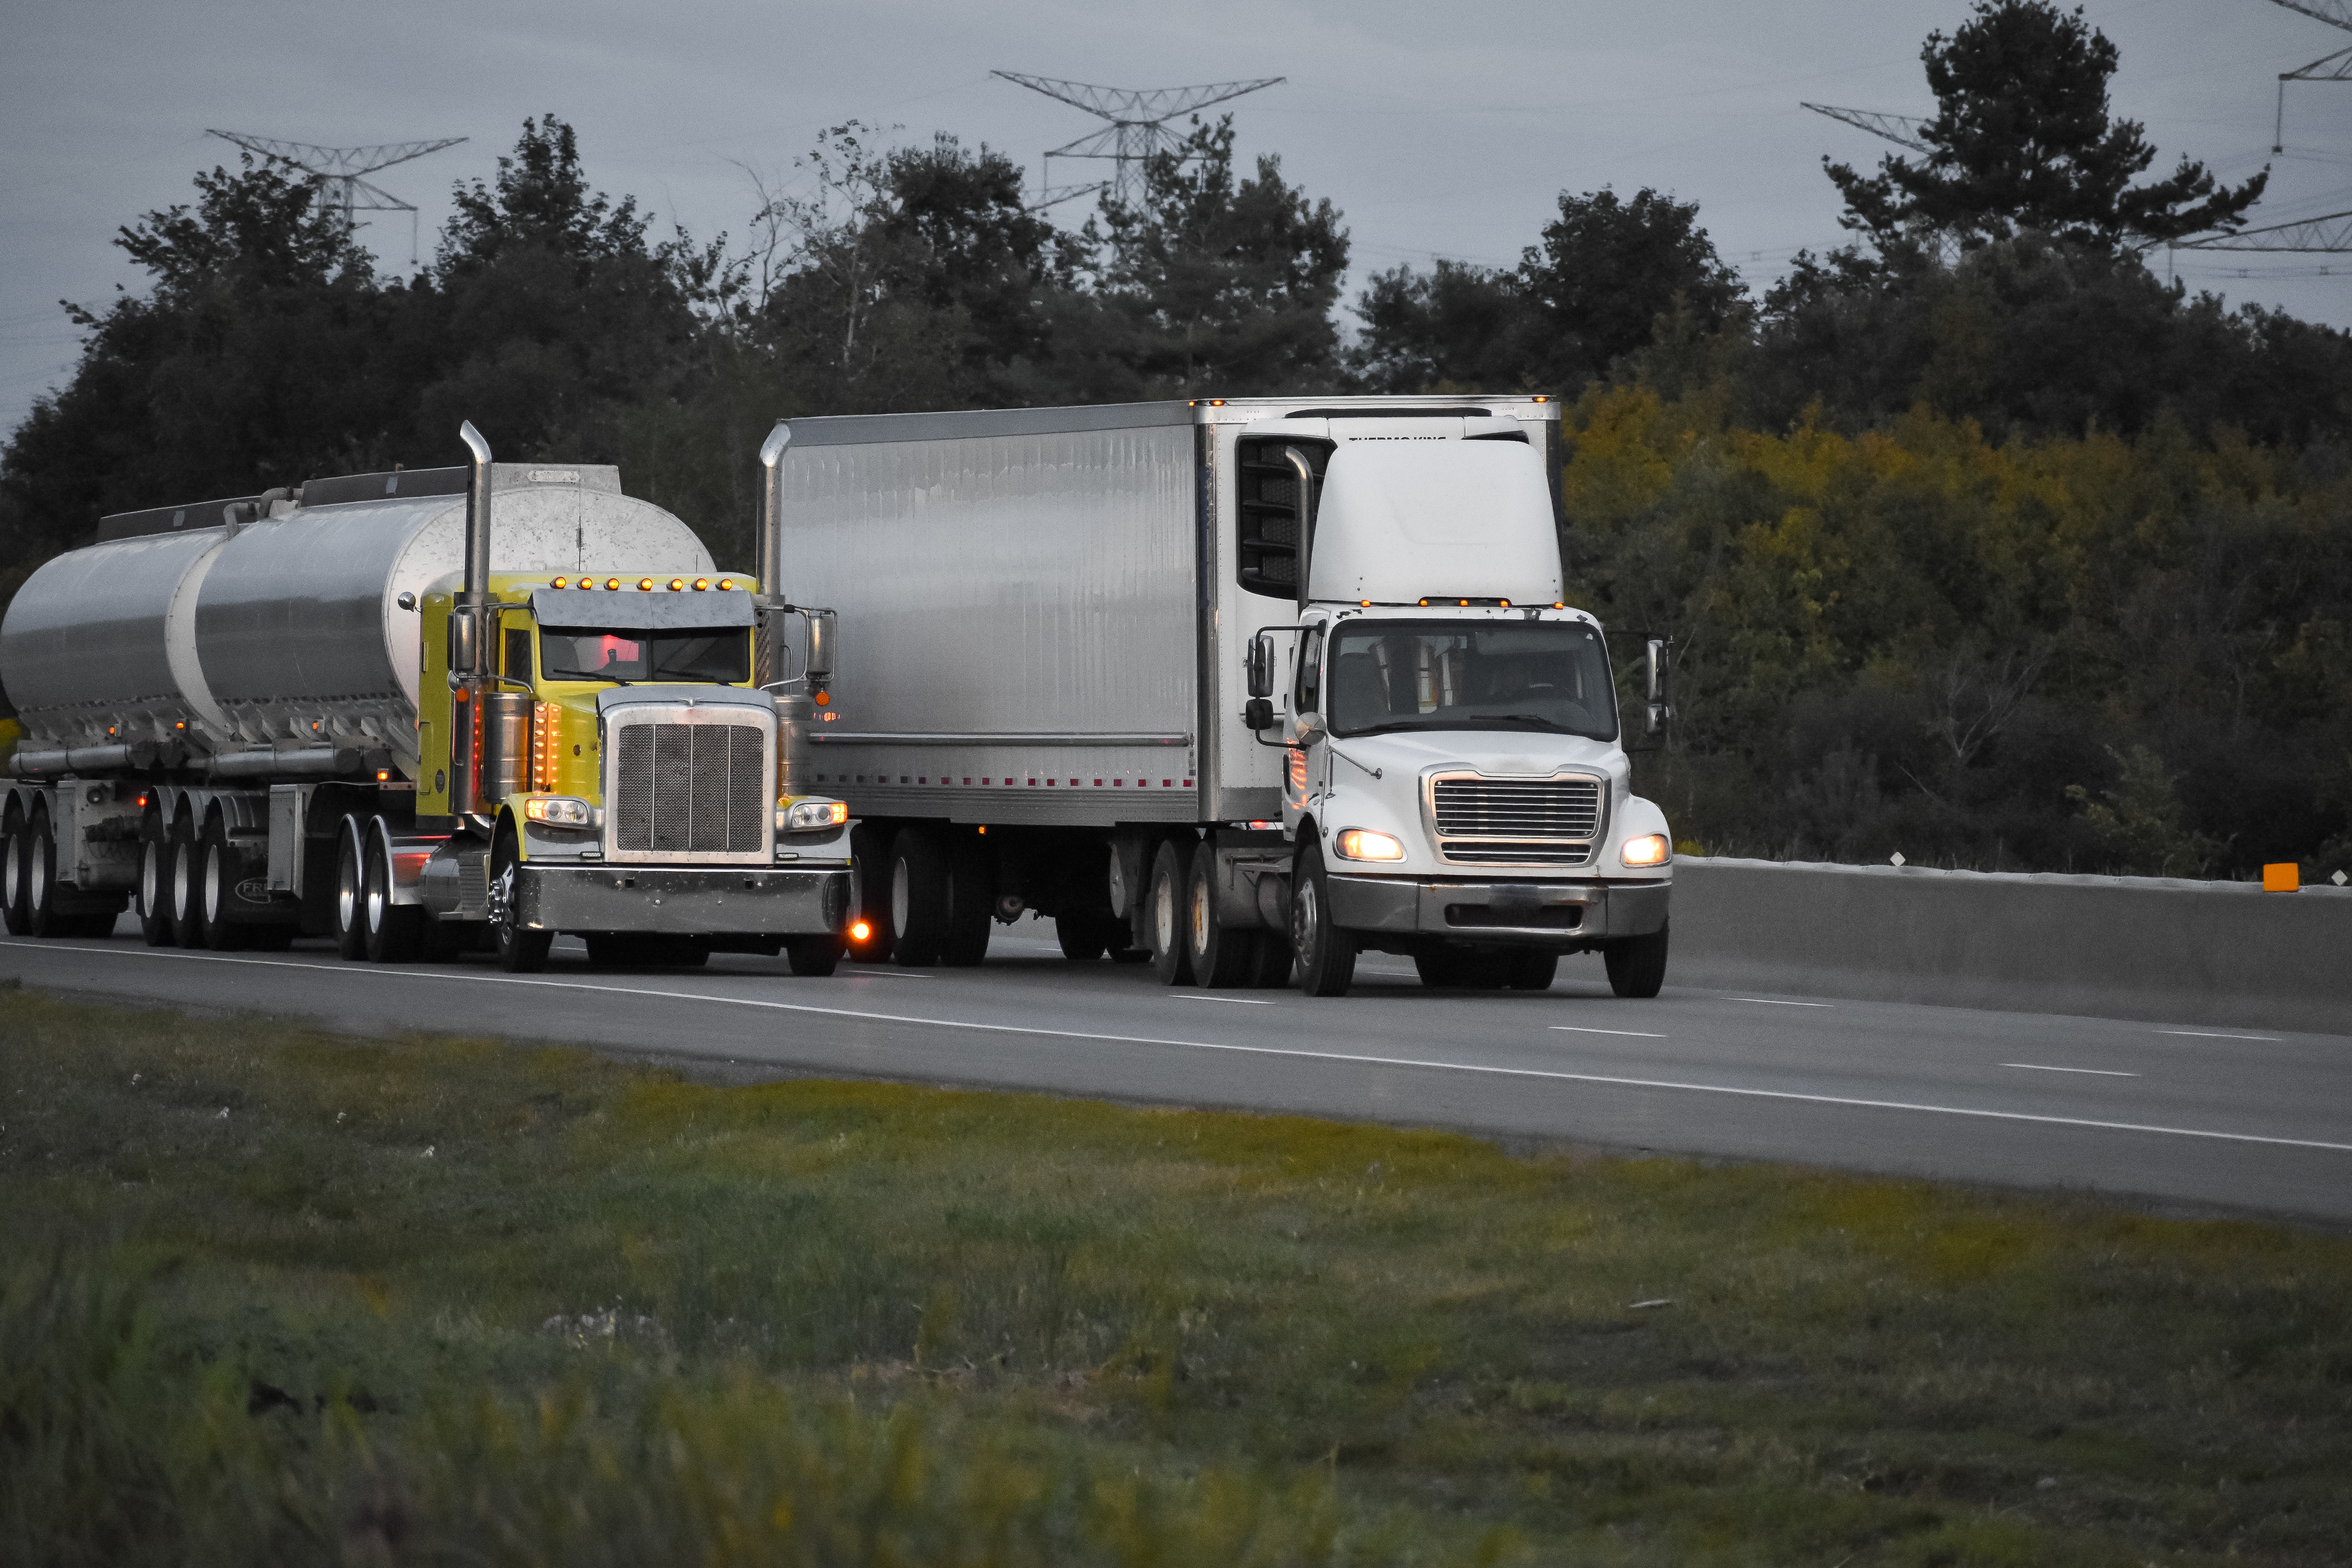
[[900, 897], [151, 879], [182, 875], [347, 893], [212, 884], [376, 899], [12, 872], [1201, 918], [1163, 915], [36, 880]]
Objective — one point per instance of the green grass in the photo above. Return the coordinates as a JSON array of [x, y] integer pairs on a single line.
[[442, 1300]]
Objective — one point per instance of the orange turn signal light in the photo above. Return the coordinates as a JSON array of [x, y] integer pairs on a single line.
[[859, 931]]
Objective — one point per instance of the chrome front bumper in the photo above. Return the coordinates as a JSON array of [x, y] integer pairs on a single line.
[[1566, 915], [747, 900]]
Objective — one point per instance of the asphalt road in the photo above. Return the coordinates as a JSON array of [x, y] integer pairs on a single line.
[[2193, 1114]]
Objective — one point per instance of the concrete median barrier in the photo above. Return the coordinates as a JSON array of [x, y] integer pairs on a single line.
[[2220, 953]]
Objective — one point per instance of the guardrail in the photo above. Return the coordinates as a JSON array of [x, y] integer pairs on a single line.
[[2220, 953]]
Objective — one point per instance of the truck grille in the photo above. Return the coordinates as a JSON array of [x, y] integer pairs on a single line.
[[689, 789], [1495, 822]]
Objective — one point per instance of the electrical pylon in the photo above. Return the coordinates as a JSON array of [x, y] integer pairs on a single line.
[[2330, 233], [2337, 67], [335, 173], [1903, 130], [1139, 125]]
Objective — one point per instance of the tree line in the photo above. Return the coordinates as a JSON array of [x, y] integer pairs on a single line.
[[1982, 541]]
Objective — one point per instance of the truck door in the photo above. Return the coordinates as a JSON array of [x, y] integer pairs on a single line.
[[1306, 697]]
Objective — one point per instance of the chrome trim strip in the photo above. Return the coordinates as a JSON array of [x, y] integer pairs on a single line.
[[1053, 737]]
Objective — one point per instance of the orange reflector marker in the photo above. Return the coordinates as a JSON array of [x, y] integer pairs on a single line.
[[2284, 876], [645, 584], [859, 931], [701, 583], [677, 585], [612, 584], [725, 585], [561, 583], [823, 699], [1506, 603]]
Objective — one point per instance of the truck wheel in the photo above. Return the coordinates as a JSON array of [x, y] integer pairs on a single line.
[[393, 933], [1164, 916], [972, 900], [1083, 936], [16, 852], [1327, 955], [216, 891], [1222, 956], [812, 955], [155, 888], [41, 918], [1637, 965], [869, 852], [520, 951], [1533, 971], [181, 885], [1270, 959], [350, 894], [919, 892]]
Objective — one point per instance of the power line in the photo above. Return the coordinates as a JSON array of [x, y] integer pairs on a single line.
[[1138, 126], [335, 173], [2330, 233], [2337, 67], [1903, 130]]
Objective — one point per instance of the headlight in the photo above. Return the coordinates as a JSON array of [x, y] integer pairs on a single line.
[[807, 816], [1363, 843], [558, 810], [1650, 849]]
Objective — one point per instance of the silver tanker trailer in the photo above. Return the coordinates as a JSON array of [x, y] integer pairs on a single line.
[[356, 709]]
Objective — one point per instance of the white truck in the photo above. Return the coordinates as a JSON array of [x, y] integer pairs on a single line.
[[361, 709], [1240, 686]]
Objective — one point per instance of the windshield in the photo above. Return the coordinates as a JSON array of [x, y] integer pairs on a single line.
[[1471, 675], [567, 653]]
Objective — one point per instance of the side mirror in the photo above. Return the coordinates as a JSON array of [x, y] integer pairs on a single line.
[[1259, 713], [823, 627], [461, 641], [1259, 666], [1658, 680]]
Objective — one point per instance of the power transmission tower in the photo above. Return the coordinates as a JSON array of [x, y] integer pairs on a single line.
[[1903, 130], [1138, 126], [2337, 67], [335, 173], [2331, 233]]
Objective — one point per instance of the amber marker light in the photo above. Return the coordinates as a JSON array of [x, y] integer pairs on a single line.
[[823, 699], [1649, 849], [859, 931], [645, 584], [1506, 603], [612, 584], [725, 585], [561, 583], [701, 583]]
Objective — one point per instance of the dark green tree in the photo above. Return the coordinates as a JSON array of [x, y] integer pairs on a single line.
[[1213, 284], [2022, 140], [1593, 292]]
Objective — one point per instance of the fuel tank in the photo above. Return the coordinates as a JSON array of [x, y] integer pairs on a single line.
[[289, 629]]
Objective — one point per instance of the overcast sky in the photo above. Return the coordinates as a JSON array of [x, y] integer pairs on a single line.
[[1440, 129]]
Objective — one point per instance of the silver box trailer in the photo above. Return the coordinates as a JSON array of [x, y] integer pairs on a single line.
[[1041, 701]]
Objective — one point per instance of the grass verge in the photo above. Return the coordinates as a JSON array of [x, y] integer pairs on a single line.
[[271, 1294]]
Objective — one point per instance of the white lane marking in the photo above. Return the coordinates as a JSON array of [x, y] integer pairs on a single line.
[[2095, 1072], [1202, 996], [1636, 1034], [2214, 1035], [1776, 1002], [888, 974], [403, 972]]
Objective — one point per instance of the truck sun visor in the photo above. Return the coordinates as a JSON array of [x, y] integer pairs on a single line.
[[711, 610]]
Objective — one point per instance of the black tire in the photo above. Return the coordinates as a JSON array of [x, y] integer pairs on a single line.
[[814, 956], [1270, 959], [919, 893], [520, 950], [15, 855], [869, 851], [218, 869], [155, 887], [1533, 971], [1222, 956], [392, 933], [1164, 894], [971, 899], [180, 887], [269, 939], [1637, 965], [349, 909], [1327, 955], [42, 918], [1084, 937]]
